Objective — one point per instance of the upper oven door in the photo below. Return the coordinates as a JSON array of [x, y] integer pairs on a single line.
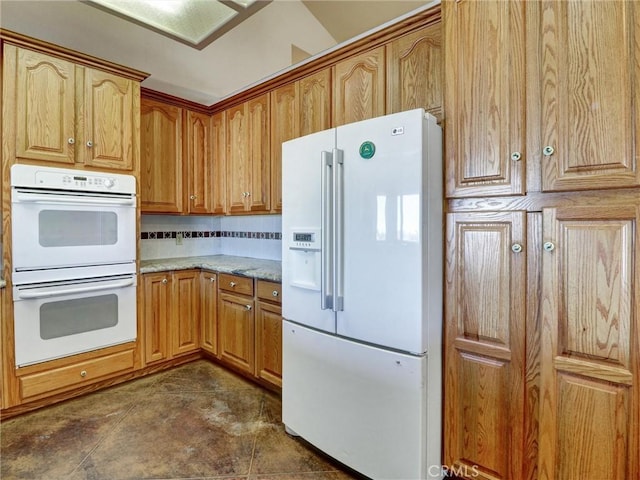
[[66, 229]]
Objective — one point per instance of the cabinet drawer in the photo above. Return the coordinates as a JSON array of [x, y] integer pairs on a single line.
[[86, 372], [236, 284], [270, 291]]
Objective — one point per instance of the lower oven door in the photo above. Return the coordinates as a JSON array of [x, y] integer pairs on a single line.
[[58, 319]]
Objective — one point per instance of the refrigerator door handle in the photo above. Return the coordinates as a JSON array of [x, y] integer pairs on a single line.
[[326, 209], [338, 230]]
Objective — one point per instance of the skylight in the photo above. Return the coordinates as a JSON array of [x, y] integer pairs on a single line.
[[193, 22]]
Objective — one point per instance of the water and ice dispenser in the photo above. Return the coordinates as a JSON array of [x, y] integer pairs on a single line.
[[305, 258]]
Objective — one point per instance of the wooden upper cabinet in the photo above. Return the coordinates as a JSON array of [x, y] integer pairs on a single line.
[[285, 125], [590, 360], [218, 160], [247, 162], [590, 116], [260, 151], [199, 165], [237, 160], [414, 72], [44, 89], [160, 157], [485, 138], [70, 114], [485, 313], [359, 87], [314, 102], [111, 112]]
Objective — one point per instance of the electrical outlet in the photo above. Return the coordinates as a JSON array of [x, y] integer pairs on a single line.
[[179, 238]]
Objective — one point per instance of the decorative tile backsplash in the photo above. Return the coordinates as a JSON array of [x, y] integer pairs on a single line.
[[257, 236], [210, 234]]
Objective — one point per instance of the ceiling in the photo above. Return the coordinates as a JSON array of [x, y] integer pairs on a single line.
[[279, 35]]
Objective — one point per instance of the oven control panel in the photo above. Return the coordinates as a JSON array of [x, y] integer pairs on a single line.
[[83, 181], [33, 176]]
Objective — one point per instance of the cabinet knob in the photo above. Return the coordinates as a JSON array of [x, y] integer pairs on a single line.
[[89, 143], [548, 246], [212, 279], [83, 373], [275, 293], [248, 307], [232, 284], [516, 248], [516, 156], [248, 194], [164, 280], [193, 197], [548, 151], [71, 141]]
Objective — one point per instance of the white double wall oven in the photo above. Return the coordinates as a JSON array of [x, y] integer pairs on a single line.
[[73, 261]]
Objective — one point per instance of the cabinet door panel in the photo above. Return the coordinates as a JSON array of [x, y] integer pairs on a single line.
[[109, 106], [157, 309], [237, 330], [359, 88], [284, 126], [198, 148], [414, 72], [485, 328], [259, 148], [209, 312], [45, 103], [589, 425], [218, 160], [590, 115], [238, 167], [185, 319], [269, 343], [161, 157], [484, 74], [315, 102]]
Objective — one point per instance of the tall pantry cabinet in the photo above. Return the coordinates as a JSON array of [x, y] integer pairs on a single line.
[[542, 354]]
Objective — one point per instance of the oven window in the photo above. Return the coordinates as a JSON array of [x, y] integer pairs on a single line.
[[77, 228], [70, 317]]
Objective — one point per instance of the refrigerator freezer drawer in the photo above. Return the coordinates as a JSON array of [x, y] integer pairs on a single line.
[[364, 406]]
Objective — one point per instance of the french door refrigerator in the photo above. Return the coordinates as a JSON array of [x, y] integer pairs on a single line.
[[362, 293]]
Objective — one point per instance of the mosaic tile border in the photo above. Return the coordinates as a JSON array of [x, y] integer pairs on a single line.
[[210, 234]]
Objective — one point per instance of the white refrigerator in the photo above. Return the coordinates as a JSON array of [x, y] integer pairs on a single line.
[[362, 294]]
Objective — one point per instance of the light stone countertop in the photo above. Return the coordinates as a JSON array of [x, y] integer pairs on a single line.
[[249, 267]]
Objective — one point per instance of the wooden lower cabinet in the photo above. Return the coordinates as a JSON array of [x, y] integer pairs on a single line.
[[542, 362], [220, 313], [209, 312], [250, 339], [73, 375], [185, 324], [237, 331], [590, 343], [171, 314], [269, 332], [156, 297], [484, 339]]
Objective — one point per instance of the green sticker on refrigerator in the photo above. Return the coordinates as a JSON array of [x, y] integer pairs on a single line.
[[367, 150]]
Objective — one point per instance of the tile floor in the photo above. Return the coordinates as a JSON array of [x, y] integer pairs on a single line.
[[197, 421]]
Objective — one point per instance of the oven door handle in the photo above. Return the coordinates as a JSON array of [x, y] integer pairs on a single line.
[[75, 199], [57, 291]]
